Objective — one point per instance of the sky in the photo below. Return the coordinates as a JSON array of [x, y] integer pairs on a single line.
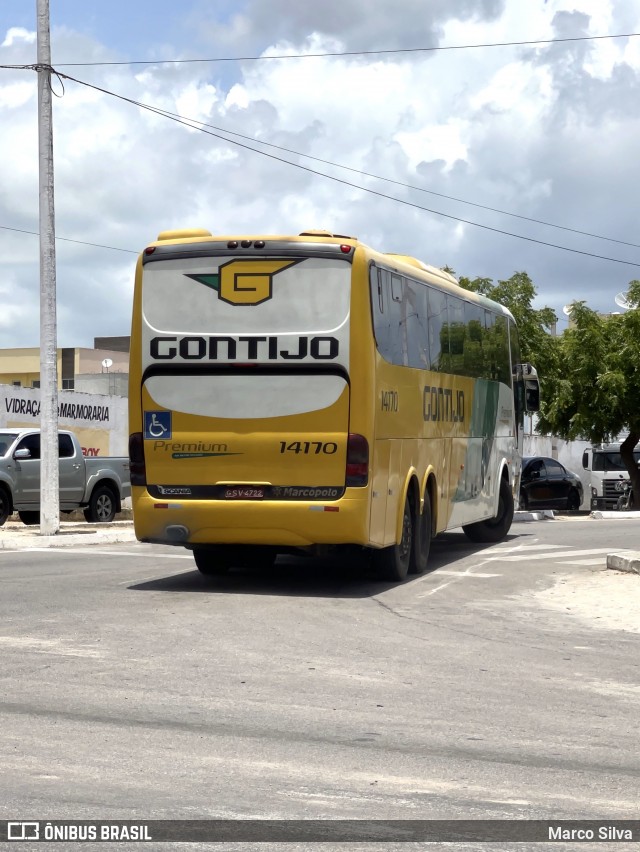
[[405, 150]]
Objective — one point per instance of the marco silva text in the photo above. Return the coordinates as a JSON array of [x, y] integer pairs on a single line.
[[606, 831]]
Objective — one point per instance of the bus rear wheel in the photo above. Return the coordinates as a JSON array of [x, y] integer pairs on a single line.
[[495, 529], [212, 561], [218, 559], [393, 563], [422, 539]]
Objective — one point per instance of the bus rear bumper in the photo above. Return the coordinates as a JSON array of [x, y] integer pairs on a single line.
[[275, 523]]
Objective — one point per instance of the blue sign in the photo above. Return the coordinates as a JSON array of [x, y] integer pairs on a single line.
[[157, 425]]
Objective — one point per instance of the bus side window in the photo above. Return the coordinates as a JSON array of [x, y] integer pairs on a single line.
[[438, 329], [397, 319], [457, 335], [417, 331], [503, 357], [473, 356], [489, 367], [381, 317]]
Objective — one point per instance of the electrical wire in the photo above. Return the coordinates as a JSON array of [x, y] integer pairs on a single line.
[[68, 239], [389, 52], [401, 183], [197, 126]]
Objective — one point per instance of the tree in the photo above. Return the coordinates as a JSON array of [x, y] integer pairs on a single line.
[[598, 394]]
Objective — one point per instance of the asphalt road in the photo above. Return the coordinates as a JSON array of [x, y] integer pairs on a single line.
[[132, 687]]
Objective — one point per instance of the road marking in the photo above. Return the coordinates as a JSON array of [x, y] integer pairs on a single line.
[[528, 547], [85, 550], [442, 572], [47, 646], [457, 576], [557, 554]]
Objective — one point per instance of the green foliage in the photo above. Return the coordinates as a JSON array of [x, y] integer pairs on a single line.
[[597, 397], [517, 294], [590, 375]]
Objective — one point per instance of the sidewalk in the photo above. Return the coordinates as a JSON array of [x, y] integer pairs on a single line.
[[14, 535], [622, 560]]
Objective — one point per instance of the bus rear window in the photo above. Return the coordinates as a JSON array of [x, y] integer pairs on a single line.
[[241, 296]]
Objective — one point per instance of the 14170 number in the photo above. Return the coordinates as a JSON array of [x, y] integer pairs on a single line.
[[309, 447]]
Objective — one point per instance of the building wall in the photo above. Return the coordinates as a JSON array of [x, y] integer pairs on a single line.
[[23, 365], [100, 422], [111, 384], [90, 361], [117, 344]]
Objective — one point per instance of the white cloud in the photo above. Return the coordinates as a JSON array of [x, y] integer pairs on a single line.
[[18, 34], [544, 132]]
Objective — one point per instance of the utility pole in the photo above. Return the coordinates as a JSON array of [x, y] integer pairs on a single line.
[[49, 474]]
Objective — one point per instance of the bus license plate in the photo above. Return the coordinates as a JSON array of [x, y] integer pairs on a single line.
[[244, 492]]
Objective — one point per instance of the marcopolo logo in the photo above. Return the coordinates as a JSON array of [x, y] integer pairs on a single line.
[[244, 282]]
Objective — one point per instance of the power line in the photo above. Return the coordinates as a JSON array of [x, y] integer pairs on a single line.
[[389, 52], [401, 183], [178, 120], [67, 239], [374, 176]]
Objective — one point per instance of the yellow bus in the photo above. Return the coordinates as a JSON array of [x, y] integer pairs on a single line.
[[302, 393]]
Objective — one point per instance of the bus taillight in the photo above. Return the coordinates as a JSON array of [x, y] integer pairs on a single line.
[[357, 461], [136, 459]]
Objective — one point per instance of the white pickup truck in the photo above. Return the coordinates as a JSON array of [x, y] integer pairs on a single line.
[[98, 485]]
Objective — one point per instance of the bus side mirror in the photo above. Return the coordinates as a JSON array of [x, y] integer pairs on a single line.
[[585, 460], [532, 396]]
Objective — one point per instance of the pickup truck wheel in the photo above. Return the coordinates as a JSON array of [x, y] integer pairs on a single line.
[[5, 505], [102, 506], [29, 518]]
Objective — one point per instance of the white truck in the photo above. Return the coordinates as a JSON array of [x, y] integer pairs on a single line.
[[606, 471], [97, 485]]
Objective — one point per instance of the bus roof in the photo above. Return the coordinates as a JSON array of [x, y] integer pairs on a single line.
[[318, 238]]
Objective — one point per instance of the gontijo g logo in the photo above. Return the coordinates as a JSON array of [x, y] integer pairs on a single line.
[[244, 282]]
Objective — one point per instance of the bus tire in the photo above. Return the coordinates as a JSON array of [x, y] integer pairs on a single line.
[[216, 560], [495, 529], [212, 561], [5, 505], [102, 506], [392, 563], [422, 539], [29, 518]]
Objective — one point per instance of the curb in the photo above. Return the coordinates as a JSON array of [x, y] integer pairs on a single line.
[[19, 537], [544, 515], [602, 514], [625, 560]]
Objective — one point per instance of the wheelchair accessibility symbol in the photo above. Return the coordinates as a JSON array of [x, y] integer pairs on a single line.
[[157, 424]]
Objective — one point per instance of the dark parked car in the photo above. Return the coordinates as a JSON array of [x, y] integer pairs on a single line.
[[546, 484]]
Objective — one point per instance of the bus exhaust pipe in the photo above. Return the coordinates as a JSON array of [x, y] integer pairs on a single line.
[[177, 532]]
